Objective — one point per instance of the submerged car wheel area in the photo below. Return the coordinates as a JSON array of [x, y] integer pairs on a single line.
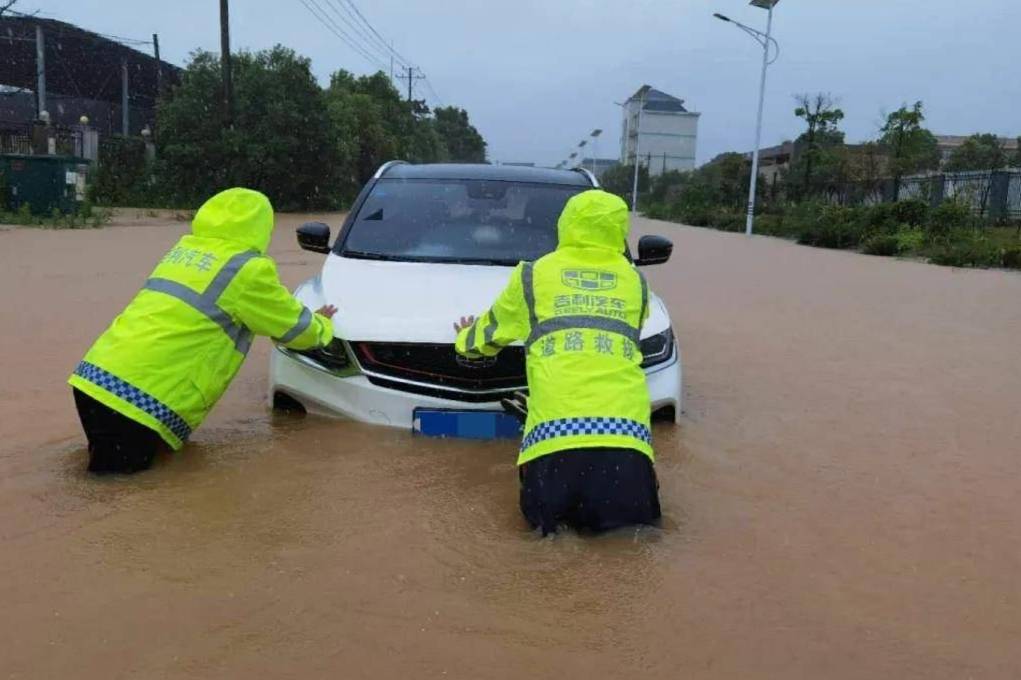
[[424, 245]]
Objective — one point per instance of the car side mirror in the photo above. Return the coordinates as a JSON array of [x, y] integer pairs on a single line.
[[314, 236], [653, 250]]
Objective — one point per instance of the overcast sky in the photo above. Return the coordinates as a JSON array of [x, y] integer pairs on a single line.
[[537, 76]]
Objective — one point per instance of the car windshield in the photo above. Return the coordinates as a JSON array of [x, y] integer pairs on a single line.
[[457, 220]]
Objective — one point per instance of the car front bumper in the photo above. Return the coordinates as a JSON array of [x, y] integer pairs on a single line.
[[354, 396]]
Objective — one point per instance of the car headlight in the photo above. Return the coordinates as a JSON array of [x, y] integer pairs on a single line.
[[333, 357], [657, 349]]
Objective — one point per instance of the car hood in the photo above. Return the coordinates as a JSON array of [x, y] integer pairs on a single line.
[[414, 301]]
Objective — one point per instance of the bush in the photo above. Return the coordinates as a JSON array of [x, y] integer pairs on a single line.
[[948, 217], [801, 216], [658, 211], [727, 219], [913, 212], [1011, 257], [965, 250], [831, 235], [122, 175], [830, 227], [696, 216], [85, 216], [770, 225], [910, 240], [904, 240], [882, 244], [879, 219]]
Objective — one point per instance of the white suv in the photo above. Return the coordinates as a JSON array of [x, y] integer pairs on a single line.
[[423, 246]]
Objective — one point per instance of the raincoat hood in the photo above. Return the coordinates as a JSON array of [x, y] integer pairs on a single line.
[[593, 219], [240, 215]]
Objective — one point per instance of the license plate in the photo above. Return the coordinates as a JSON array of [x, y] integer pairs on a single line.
[[466, 424]]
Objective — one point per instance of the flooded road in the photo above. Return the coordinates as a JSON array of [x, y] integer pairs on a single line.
[[841, 499]]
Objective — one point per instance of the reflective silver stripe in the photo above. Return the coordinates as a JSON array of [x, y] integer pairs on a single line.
[[470, 340], [239, 335], [227, 274], [243, 342], [598, 323], [487, 337], [528, 286], [192, 299], [304, 321], [645, 297]]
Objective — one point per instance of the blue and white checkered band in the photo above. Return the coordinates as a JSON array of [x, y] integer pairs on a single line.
[[136, 397], [572, 427]]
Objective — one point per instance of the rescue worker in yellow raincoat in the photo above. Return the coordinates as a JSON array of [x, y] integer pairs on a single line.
[[586, 459], [165, 361]]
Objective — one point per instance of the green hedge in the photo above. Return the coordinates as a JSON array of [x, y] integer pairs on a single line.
[[947, 234]]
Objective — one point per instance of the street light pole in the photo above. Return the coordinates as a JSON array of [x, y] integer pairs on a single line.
[[638, 139], [595, 147], [750, 221], [765, 39]]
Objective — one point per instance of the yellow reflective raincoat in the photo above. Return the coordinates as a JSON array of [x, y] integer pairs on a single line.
[[579, 311], [169, 356]]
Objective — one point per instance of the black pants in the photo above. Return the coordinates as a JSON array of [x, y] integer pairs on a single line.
[[116, 443], [594, 489]]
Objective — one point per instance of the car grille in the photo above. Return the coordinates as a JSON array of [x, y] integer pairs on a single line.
[[439, 365]]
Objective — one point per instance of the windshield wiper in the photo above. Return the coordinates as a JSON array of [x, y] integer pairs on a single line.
[[489, 262], [492, 262], [363, 255]]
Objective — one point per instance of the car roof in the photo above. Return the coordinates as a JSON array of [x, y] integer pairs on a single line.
[[504, 173]]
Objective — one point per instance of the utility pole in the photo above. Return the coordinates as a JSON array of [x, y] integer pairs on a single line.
[[40, 71], [159, 65], [228, 89], [411, 77], [125, 113]]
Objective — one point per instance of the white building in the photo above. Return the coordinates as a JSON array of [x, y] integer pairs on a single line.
[[665, 132]]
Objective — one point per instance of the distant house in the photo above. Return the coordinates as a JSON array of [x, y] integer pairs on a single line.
[[774, 160], [658, 129], [950, 143]]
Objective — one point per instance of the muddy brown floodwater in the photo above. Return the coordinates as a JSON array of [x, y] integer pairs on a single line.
[[841, 499]]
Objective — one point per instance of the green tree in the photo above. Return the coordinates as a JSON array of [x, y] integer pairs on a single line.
[[277, 142], [910, 148], [463, 142], [725, 180], [304, 146], [818, 151], [620, 178], [360, 132], [978, 152], [385, 126]]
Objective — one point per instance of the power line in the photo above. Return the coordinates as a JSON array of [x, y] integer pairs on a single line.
[[364, 40], [432, 90], [367, 41], [332, 26], [379, 38]]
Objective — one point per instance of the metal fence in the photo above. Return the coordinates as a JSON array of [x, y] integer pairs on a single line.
[[995, 195], [61, 140]]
